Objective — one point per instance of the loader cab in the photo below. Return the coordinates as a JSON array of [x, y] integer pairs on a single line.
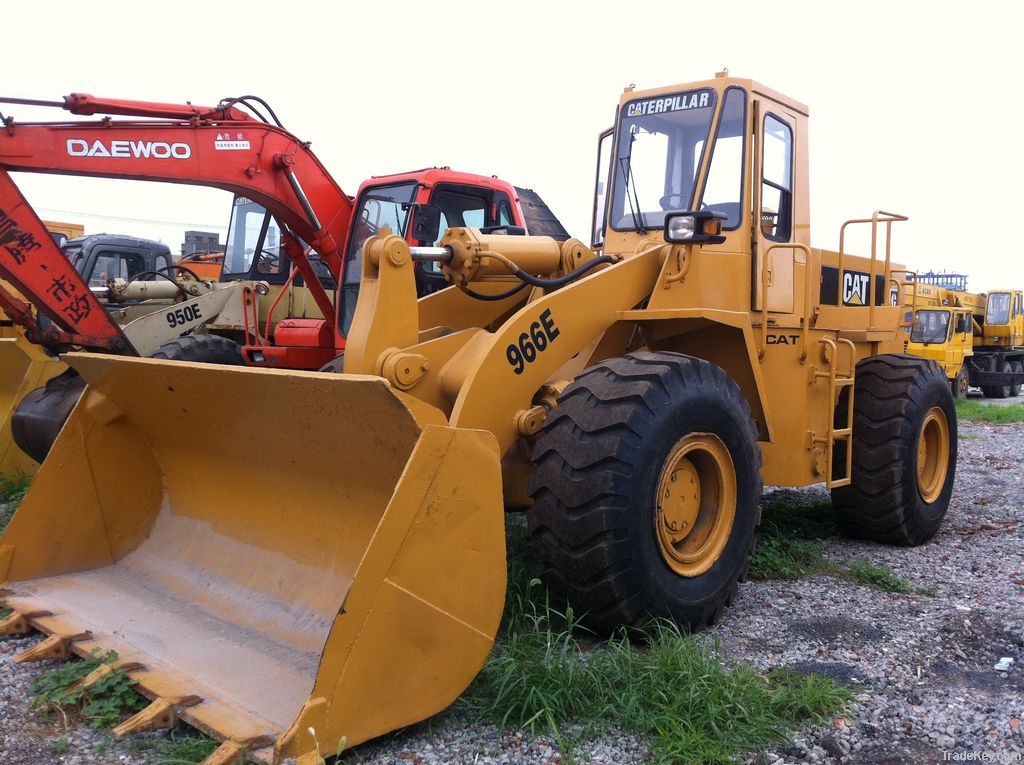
[[726, 149]]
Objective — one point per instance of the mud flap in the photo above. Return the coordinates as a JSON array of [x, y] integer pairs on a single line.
[[296, 550]]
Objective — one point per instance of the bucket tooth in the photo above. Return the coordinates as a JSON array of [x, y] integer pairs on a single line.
[[17, 623], [93, 677], [54, 648], [102, 671], [228, 753], [160, 715]]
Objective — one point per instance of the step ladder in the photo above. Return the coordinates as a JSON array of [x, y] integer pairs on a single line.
[[836, 382]]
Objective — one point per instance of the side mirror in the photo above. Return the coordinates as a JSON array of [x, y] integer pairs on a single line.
[[694, 227], [426, 223]]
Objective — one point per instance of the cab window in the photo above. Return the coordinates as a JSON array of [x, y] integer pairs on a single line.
[[162, 263], [723, 191], [505, 217], [777, 180], [112, 265], [930, 327], [604, 159], [460, 209]]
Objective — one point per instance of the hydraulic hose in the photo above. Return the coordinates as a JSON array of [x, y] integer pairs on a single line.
[[561, 281], [499, 296]]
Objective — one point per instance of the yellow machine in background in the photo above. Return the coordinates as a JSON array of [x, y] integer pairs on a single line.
[[344, 575], [978, 339], [999, 349], [946, 320]]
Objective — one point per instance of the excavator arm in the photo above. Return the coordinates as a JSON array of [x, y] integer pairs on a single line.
[[221, 147], [35, 266]]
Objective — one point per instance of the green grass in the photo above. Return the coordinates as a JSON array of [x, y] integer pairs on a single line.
[[549, 674], [969, 409], [104, 704], [875, 576], [779, 557], [5, 610], [791, 543], [178, 748], [12, 490]]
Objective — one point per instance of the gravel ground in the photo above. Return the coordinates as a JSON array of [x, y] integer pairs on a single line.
[[923, 665]]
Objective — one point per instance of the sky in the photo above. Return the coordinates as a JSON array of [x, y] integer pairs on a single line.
[[914, 105]]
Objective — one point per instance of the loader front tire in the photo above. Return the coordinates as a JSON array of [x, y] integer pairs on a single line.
[[904, 451], [207, 349], [647, 491]]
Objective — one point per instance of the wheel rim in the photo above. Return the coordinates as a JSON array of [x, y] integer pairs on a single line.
[[932, 454], [695, 504]]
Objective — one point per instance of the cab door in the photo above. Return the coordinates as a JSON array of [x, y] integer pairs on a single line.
[[772, 216], [961, 339]]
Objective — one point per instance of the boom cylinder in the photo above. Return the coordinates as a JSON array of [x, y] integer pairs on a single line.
[[475, 256]]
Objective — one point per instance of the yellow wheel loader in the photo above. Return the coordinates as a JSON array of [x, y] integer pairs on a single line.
[[345, 573]]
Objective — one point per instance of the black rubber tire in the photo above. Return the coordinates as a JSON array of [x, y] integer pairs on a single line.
[[998, 391], [208, 349], [892, 396], [961, 384], [1016, 366], [599, 458]]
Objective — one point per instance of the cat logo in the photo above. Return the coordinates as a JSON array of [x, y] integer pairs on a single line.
[[855, 288]]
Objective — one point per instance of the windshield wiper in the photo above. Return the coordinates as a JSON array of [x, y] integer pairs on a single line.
[[638, 217], [935, 337]]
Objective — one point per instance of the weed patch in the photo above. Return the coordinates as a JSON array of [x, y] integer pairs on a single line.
[[548, 673], [791, 543], [103, 704], [179, 748], [875, 576], [969, 409]]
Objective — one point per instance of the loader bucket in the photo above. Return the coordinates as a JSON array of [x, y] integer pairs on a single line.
[[23, 368], [281, 558]]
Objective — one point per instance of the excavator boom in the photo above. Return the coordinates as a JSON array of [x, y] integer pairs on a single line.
[[221, 147]]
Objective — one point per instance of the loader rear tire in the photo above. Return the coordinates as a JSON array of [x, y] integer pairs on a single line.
[[904, 451], [612, 526], [207, 349]]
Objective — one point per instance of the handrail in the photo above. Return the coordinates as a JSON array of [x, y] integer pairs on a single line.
[[805, 319], [899, 291], [878, 216]]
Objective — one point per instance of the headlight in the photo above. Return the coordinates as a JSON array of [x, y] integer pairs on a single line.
[[679, 227], [702, 227]]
